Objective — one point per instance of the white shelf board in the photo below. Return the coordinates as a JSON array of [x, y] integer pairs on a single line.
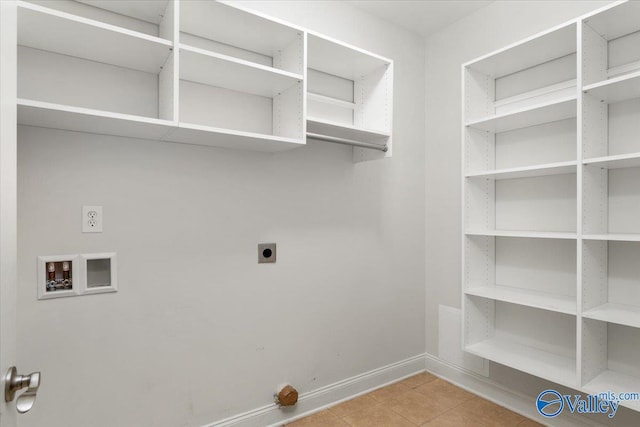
[[147, 10], [528, 234], [547, 112], [616, 382], [553, 367], [618, 89], [186, 133], [619, 237], [56, 116], [213, 69], [620, 314], [527, 297], [232, 25], [616, 21], [619, 161], [47, 29], [538, 49], [340, 59], [330, 101], [339, 130], [559, 168]]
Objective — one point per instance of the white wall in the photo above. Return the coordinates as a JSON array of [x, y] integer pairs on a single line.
[[490, 28], [199, 331]]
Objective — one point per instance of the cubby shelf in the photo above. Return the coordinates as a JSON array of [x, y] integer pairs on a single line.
[[620, 314], [54, 31], [527, 297], [619, 161], [610, 380], [617, 89], [214, 69], [339, 59], [544, 364], [616, 21], [65, 117], [546, 112], [558, 168], [233, 25], [518, 233], [339, 130], [552, 44]]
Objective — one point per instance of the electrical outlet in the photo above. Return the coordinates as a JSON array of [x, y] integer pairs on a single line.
[[91, 219], [266, 253]]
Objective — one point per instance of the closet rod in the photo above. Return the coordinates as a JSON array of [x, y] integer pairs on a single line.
[[345, 141]]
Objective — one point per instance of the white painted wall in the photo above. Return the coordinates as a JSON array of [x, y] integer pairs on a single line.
[[491, 28], [198, 330]]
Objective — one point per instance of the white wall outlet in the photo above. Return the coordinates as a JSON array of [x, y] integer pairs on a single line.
[[91, 219]]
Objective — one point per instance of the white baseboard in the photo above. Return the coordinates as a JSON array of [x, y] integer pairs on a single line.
[[319, 399], [272, 415], [490, 390]]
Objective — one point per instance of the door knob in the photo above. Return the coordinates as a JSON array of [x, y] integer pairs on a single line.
[[14, 382]]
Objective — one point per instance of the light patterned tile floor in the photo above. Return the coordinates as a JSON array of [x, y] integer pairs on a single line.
[[421, 400]]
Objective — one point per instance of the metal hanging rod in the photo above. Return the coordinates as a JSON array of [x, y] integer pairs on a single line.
[[345, 141]]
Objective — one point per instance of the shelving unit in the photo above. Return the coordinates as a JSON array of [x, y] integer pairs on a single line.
[[551, 166], [350, 94], [207, 73]]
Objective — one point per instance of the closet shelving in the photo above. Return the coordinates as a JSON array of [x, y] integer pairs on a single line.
[[551, 199], [45, 33], [350, 93], [195, 72]]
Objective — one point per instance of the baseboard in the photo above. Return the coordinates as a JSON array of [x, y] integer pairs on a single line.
[[490, 390], [272, 415]]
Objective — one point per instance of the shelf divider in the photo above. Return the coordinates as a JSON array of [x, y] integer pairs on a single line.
[[65, 117], [519, 233], [617, 382], [187, 133], [620, 314], [559, 168], [214, 69], [546, 112], [526, 297], [618, 89], [339, 130], [543, 364], [619, 161]]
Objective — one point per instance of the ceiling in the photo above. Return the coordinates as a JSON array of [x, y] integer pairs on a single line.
[[424, 17]]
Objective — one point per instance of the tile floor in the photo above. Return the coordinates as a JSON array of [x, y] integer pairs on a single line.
[[421, 400]]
